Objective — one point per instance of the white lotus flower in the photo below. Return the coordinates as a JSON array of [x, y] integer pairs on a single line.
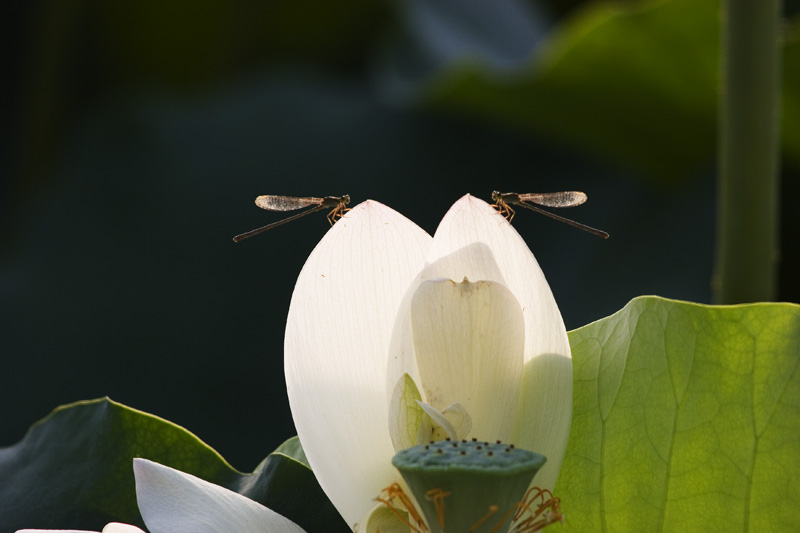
[[387, 323], [380, 316]]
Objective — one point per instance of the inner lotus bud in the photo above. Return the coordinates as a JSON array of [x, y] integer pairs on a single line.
[[468, 339]]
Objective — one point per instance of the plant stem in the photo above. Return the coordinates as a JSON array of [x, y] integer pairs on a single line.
[[749, 137]]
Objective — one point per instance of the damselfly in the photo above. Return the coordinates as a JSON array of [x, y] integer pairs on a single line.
[[337, 204], [504, 200]]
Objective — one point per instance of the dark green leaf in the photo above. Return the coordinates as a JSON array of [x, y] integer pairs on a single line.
[[636, 83], [74, 470]]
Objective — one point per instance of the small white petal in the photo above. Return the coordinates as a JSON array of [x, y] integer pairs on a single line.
[[176, 502], [459, 417], [469, 338], [116, 527], [442, 428], [340, 321]]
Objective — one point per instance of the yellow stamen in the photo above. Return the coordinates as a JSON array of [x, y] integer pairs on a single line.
[[438, 496], [548, 511], [492, 510], [540, 506], [529, 498], [505, 517], [395, 491]]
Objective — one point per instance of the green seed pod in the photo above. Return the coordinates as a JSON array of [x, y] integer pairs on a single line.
[[468, 486]]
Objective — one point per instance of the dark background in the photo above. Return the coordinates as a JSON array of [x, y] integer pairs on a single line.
[[138, 135]]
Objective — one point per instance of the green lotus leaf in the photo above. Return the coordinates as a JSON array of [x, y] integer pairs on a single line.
[[686, 418]]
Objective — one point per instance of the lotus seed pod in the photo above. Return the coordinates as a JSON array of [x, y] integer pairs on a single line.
[[468, 486]]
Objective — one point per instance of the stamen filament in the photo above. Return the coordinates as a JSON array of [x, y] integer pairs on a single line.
[[548, 511], [492, 510], [502, 521], [396, 491], [527, 500], [399, 516], [437, 496]]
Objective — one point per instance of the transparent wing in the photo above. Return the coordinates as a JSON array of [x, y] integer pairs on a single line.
[[286, 203], [555, 199]]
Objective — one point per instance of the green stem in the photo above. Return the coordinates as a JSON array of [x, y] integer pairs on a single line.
[[748, 189]]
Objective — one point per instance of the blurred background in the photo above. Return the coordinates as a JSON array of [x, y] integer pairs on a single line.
[[137, 135]]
